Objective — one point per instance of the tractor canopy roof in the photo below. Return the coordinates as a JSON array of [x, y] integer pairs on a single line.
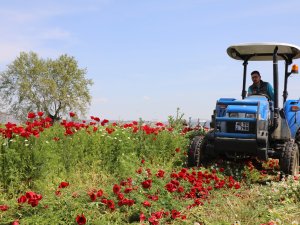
[[263, 51]]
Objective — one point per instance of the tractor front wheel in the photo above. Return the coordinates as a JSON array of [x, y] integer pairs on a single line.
[[196, 151], [289, 161]]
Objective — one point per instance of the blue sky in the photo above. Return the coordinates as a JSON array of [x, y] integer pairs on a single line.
[[148, 57]]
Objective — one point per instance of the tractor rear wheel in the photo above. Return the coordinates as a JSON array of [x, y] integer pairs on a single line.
[[297, 139], [196, 151], [289, 161]]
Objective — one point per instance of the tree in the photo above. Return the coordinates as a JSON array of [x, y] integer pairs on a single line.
[[55, 87]]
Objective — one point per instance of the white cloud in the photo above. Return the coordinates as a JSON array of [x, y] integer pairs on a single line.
[[25, 36], [29, 27]]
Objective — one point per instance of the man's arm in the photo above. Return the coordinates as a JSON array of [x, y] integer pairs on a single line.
[[270, 91]]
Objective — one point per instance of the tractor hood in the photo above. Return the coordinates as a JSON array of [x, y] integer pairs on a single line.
[[256, 105], [263, 51]]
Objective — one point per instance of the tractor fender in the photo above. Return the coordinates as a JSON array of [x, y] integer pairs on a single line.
[[282, 131]]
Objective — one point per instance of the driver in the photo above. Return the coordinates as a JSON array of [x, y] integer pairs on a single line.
[[260, 87]]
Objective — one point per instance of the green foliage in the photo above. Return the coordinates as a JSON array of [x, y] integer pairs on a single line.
[[93, 159], [27, 160], [177, 121], [21, 161], [53, 86]]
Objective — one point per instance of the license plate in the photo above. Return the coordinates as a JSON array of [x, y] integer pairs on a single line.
[[241, 126]]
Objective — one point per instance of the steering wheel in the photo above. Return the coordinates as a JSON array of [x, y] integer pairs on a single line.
[[265, 95]]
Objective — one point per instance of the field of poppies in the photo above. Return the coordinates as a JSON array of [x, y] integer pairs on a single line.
[[98, 172]]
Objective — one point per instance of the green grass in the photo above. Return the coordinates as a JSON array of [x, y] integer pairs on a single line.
[[90, 161]]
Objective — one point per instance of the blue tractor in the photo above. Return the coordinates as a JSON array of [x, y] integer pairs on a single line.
[[255, 126]]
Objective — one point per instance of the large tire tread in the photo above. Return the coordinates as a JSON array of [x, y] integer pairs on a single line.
[[196, 150], [289, 161]]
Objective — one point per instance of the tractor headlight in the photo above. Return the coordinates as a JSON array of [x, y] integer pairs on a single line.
[[250, 115], [234, 114]]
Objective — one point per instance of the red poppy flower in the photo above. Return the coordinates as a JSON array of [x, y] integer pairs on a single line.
[[33, 202], [99, 193], [116, 189], [142, 217], [147, 184], [16, 222], [237, 185], [30, 194], [126, 201], [72, 114], [153, 197], [153, 220], [111, 204], [129, 181], [104, 201], [170, 187], [109, 130], [174, 175], [128, 190], [175, 214], [180, 189], [159, 124], [146, 204], [31, 115], [120, 196], [22, 199], [68, 132], [48, 119], [93, 196], [158, 214], [40, 114], [56, 138], [175, 182], [198, 201], [3, 207], [80, 219], [170, 129], [63, 184], [124, 183], [104, 122], [130, 202]]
